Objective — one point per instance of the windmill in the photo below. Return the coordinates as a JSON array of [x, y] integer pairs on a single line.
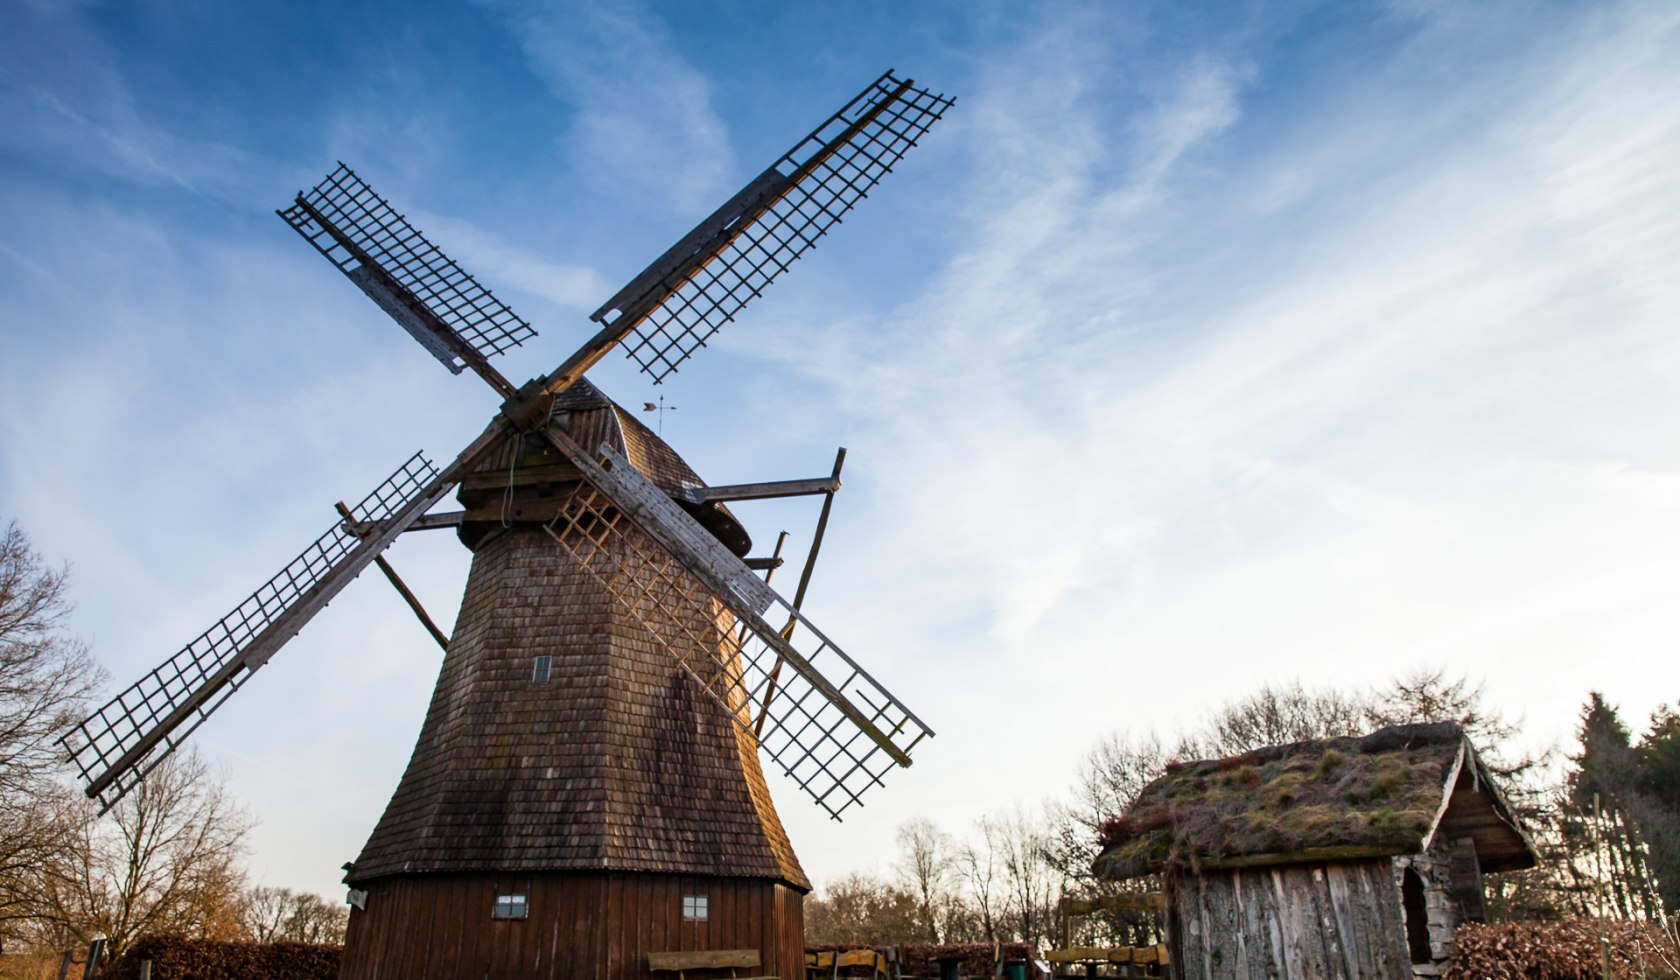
[[586, 788]]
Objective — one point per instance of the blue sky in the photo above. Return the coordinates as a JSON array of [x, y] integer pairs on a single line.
[[1201, 346]]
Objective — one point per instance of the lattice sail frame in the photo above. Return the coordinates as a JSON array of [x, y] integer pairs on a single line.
[[221, 659], [378, 249], [807, 733], [772, 222]]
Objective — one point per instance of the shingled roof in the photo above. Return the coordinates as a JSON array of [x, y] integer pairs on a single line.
[[592, 419], [1386, 793]]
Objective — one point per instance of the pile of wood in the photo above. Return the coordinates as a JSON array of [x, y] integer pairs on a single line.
[[174, 958], [1562, 951]]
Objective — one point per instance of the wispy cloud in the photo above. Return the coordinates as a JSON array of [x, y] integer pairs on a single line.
[[1119, 424], [67, 106], [1386, 385], [643, 113], [573, 288]]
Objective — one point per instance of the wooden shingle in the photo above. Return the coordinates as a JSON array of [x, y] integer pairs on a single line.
[[618, 761]]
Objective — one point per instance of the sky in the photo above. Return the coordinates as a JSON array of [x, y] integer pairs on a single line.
[[1202, 346]]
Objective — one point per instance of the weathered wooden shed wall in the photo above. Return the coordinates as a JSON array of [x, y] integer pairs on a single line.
[[584, 926], [1338, 921]]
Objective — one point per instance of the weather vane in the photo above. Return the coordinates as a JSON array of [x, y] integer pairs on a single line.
[[661, 408]]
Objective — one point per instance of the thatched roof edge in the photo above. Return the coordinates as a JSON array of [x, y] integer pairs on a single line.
[[1347, 798]]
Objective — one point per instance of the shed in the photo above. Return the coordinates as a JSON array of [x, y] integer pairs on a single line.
[[1340, 857]]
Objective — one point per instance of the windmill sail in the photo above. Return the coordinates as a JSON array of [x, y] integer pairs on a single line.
[[440, 304], [119, 744], [831, 726], [675, 305]]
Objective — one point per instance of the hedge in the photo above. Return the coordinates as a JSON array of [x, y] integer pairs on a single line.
[[1567, 950], [175, 958]]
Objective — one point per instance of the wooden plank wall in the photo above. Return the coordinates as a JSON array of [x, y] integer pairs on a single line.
[[1338, 921], [588, 926]]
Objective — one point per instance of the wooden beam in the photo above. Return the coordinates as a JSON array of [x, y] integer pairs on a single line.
[[1310, 855], [1141, 955], [695, 250], [761, 491], [1078, 954], [395, 299], [702, 959], [769, 564], [1135, 901], [399, 584], [1446, 793], [432, 522], [804, 583]]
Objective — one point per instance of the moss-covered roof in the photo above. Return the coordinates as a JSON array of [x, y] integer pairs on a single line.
[[1378, 794]]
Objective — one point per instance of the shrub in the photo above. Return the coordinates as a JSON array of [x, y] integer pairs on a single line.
[[175, 958], [1564, 950]]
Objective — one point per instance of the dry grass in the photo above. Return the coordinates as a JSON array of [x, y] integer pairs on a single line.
[[1382, 790]]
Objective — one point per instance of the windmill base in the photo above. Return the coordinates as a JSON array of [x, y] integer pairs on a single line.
[[590, 926]]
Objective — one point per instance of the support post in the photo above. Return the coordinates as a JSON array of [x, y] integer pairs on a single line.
[[401, 587], [804, 583]]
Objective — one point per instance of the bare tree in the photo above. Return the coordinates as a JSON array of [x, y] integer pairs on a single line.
[[924, 867], [316, 920], [166, 861], [1032, 884], [272, 915], [861, 909], [45, 677], [1112, 775], [263, 912], [1276, 715], [1114, 772], [977, 866]]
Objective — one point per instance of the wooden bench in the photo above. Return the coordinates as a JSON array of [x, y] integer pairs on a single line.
[[1143, 957], [707, 959], [833, 962]]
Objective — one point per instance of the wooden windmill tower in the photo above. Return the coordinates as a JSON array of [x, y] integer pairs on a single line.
[[586, 788]]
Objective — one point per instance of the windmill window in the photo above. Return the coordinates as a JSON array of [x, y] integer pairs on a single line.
[[511, 906], [539, 672], [694, 908]]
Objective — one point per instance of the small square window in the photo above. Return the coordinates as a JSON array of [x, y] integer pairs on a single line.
[[694, 908], [539, 672], [510, 907]]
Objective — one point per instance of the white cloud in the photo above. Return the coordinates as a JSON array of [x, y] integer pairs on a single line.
[[67, 104], [479, 252], [1409, 411], [644, 114]]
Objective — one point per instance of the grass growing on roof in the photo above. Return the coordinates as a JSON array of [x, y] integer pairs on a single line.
[[1379, 791]]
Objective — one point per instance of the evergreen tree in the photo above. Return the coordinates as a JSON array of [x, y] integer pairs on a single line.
[[1605, 767], [1658, 759], [1609, 858]]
